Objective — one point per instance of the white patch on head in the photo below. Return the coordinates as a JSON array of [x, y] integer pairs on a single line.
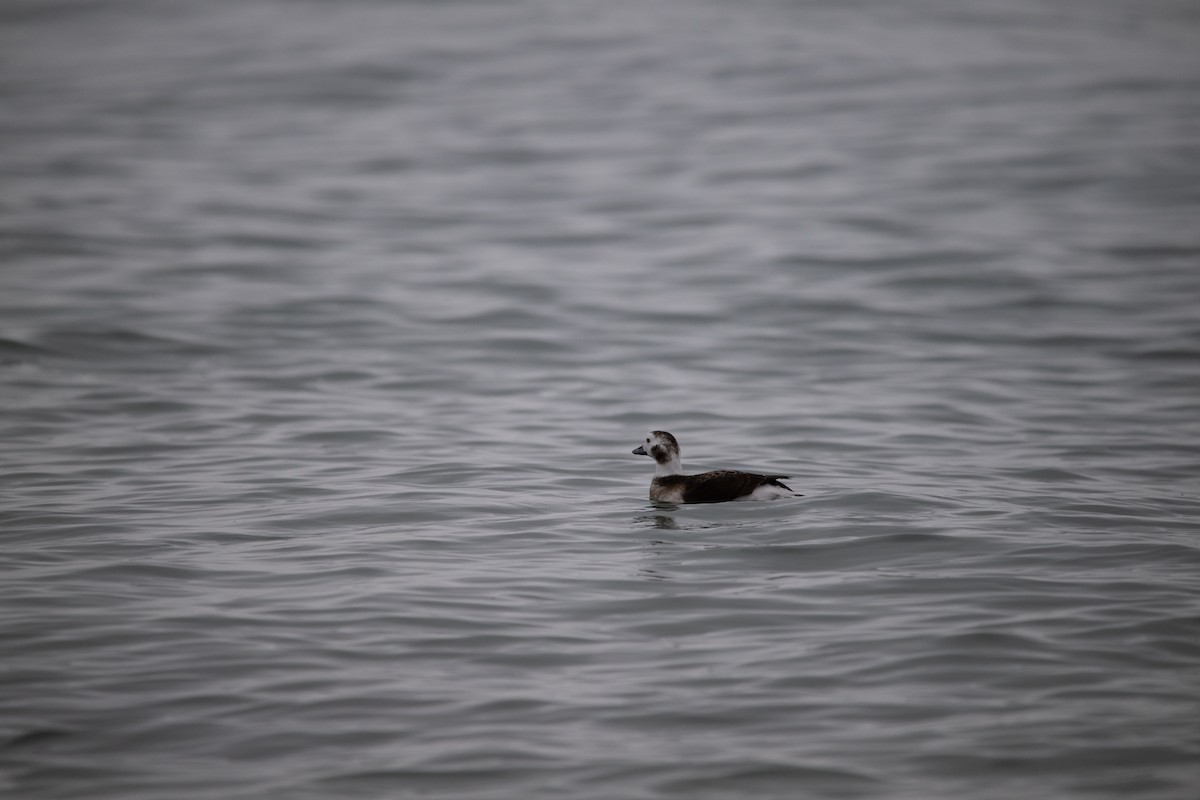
[[662, 447]]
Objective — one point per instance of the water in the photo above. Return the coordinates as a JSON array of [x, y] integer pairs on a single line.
[[327, 329]]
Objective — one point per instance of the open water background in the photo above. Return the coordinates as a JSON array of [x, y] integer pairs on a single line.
[[326, 330]]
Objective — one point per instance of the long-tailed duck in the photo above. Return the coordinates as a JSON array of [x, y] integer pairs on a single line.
[[670, 485]]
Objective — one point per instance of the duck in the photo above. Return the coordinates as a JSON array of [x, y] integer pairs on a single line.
[[670, 485]]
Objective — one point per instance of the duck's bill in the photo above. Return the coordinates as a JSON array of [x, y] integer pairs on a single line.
[[641, 451]]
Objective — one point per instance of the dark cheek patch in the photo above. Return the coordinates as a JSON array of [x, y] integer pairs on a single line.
[[660, 453]]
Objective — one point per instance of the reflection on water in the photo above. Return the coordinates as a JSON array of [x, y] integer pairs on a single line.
[[652, 574], [658, 521]]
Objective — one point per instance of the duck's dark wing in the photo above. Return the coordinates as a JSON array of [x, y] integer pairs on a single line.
[[725, 484]]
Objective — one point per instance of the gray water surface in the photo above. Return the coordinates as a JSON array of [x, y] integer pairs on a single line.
[[326, 330]]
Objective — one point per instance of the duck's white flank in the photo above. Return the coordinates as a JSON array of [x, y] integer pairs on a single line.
[[769, 491]]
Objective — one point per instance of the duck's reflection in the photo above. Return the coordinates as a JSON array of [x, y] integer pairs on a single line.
[[660, 521], [657, 553]]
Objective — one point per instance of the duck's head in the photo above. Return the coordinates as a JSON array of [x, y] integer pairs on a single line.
[[661, 446]]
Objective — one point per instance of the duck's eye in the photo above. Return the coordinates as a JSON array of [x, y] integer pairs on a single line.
[[647, 441]]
